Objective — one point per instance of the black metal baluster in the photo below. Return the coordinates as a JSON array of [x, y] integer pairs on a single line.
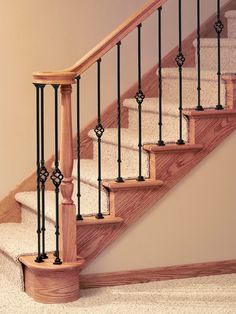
[[160, 142], [99, 132], [56, 177], [79, 216], [119, 178], [39, 258], [199, 106], [180, 59], [218, 28], [139, 98], [43, 173]]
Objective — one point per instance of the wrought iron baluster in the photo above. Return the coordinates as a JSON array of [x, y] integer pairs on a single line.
[[79, 216], [199, 106], [99, 130], [140, 98], [119, 178], [43, 173], [39, 258], [160, 142], [218, 28], [56, 177], [180, 59]]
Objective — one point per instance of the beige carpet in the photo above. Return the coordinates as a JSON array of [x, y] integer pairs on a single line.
[[206, 295]]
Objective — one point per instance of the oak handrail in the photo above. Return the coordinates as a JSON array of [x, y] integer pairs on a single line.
[[68, 75]]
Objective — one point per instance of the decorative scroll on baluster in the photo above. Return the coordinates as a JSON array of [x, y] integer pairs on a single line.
[[218, 28], [99, 130], [56, 177], [119, 178], [180, 59], [140, 98], [199, 106], [160, 142]]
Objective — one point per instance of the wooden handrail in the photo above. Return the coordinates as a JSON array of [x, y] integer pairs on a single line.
[[102, 48]]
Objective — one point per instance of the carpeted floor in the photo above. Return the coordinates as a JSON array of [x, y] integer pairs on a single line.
[[206, 295]]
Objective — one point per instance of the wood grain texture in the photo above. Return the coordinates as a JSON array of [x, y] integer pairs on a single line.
[[61, 78], [48, 283], [208, 129], [152, 148], [230, 82], [132, 184], [68, 230], [66, 146], [88, 221], [157, 274], [67, 216], [10, 209]]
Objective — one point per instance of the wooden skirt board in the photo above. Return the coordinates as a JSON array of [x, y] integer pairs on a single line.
[[49, 283], [157, 274]]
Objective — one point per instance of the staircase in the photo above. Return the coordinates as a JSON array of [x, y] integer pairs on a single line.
[[122, 203]]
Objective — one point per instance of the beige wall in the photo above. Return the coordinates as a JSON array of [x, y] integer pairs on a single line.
[[49, 35], [194, 222]]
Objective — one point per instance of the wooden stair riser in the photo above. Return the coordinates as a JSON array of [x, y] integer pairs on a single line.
[[230, 83], [91, 240], [166, 165], [210, 129]]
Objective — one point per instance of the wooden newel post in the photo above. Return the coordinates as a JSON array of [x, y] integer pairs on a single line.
[[67, 216]]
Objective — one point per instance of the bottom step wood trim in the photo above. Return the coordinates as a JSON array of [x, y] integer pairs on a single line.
[[157, 274], [51, 284]]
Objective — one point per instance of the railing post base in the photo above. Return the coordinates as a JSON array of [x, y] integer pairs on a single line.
[[49, 283], [67, 227]]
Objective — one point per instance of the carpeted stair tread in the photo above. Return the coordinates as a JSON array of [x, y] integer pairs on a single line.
[[209, 55], [152, 105], [129, 137], [89, 197], [26, 240], [89, 172], [189, 74], [150, 119]]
